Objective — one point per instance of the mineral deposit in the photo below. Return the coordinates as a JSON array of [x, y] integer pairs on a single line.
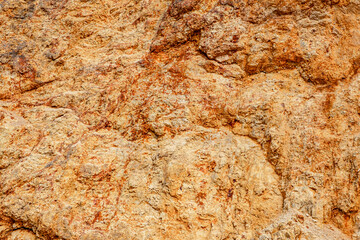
[[180, 119]]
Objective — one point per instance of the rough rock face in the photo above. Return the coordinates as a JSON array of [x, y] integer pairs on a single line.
[[180, 119]]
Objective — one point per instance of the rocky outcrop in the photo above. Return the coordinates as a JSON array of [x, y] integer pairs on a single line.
[[183, 119]]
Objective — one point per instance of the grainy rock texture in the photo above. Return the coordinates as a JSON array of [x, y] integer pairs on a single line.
[[179, 119]]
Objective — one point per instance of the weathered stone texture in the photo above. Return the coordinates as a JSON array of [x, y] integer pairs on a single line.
[[179, 119]]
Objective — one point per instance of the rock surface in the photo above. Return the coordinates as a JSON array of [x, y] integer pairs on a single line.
[[180, 119]]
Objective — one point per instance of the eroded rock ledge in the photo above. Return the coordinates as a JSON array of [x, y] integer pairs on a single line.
[[183, 119]]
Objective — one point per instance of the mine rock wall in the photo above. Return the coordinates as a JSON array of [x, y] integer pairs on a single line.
[[182, 119]]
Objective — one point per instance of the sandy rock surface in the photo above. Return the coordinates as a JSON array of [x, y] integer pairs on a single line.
[[180, 119]]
